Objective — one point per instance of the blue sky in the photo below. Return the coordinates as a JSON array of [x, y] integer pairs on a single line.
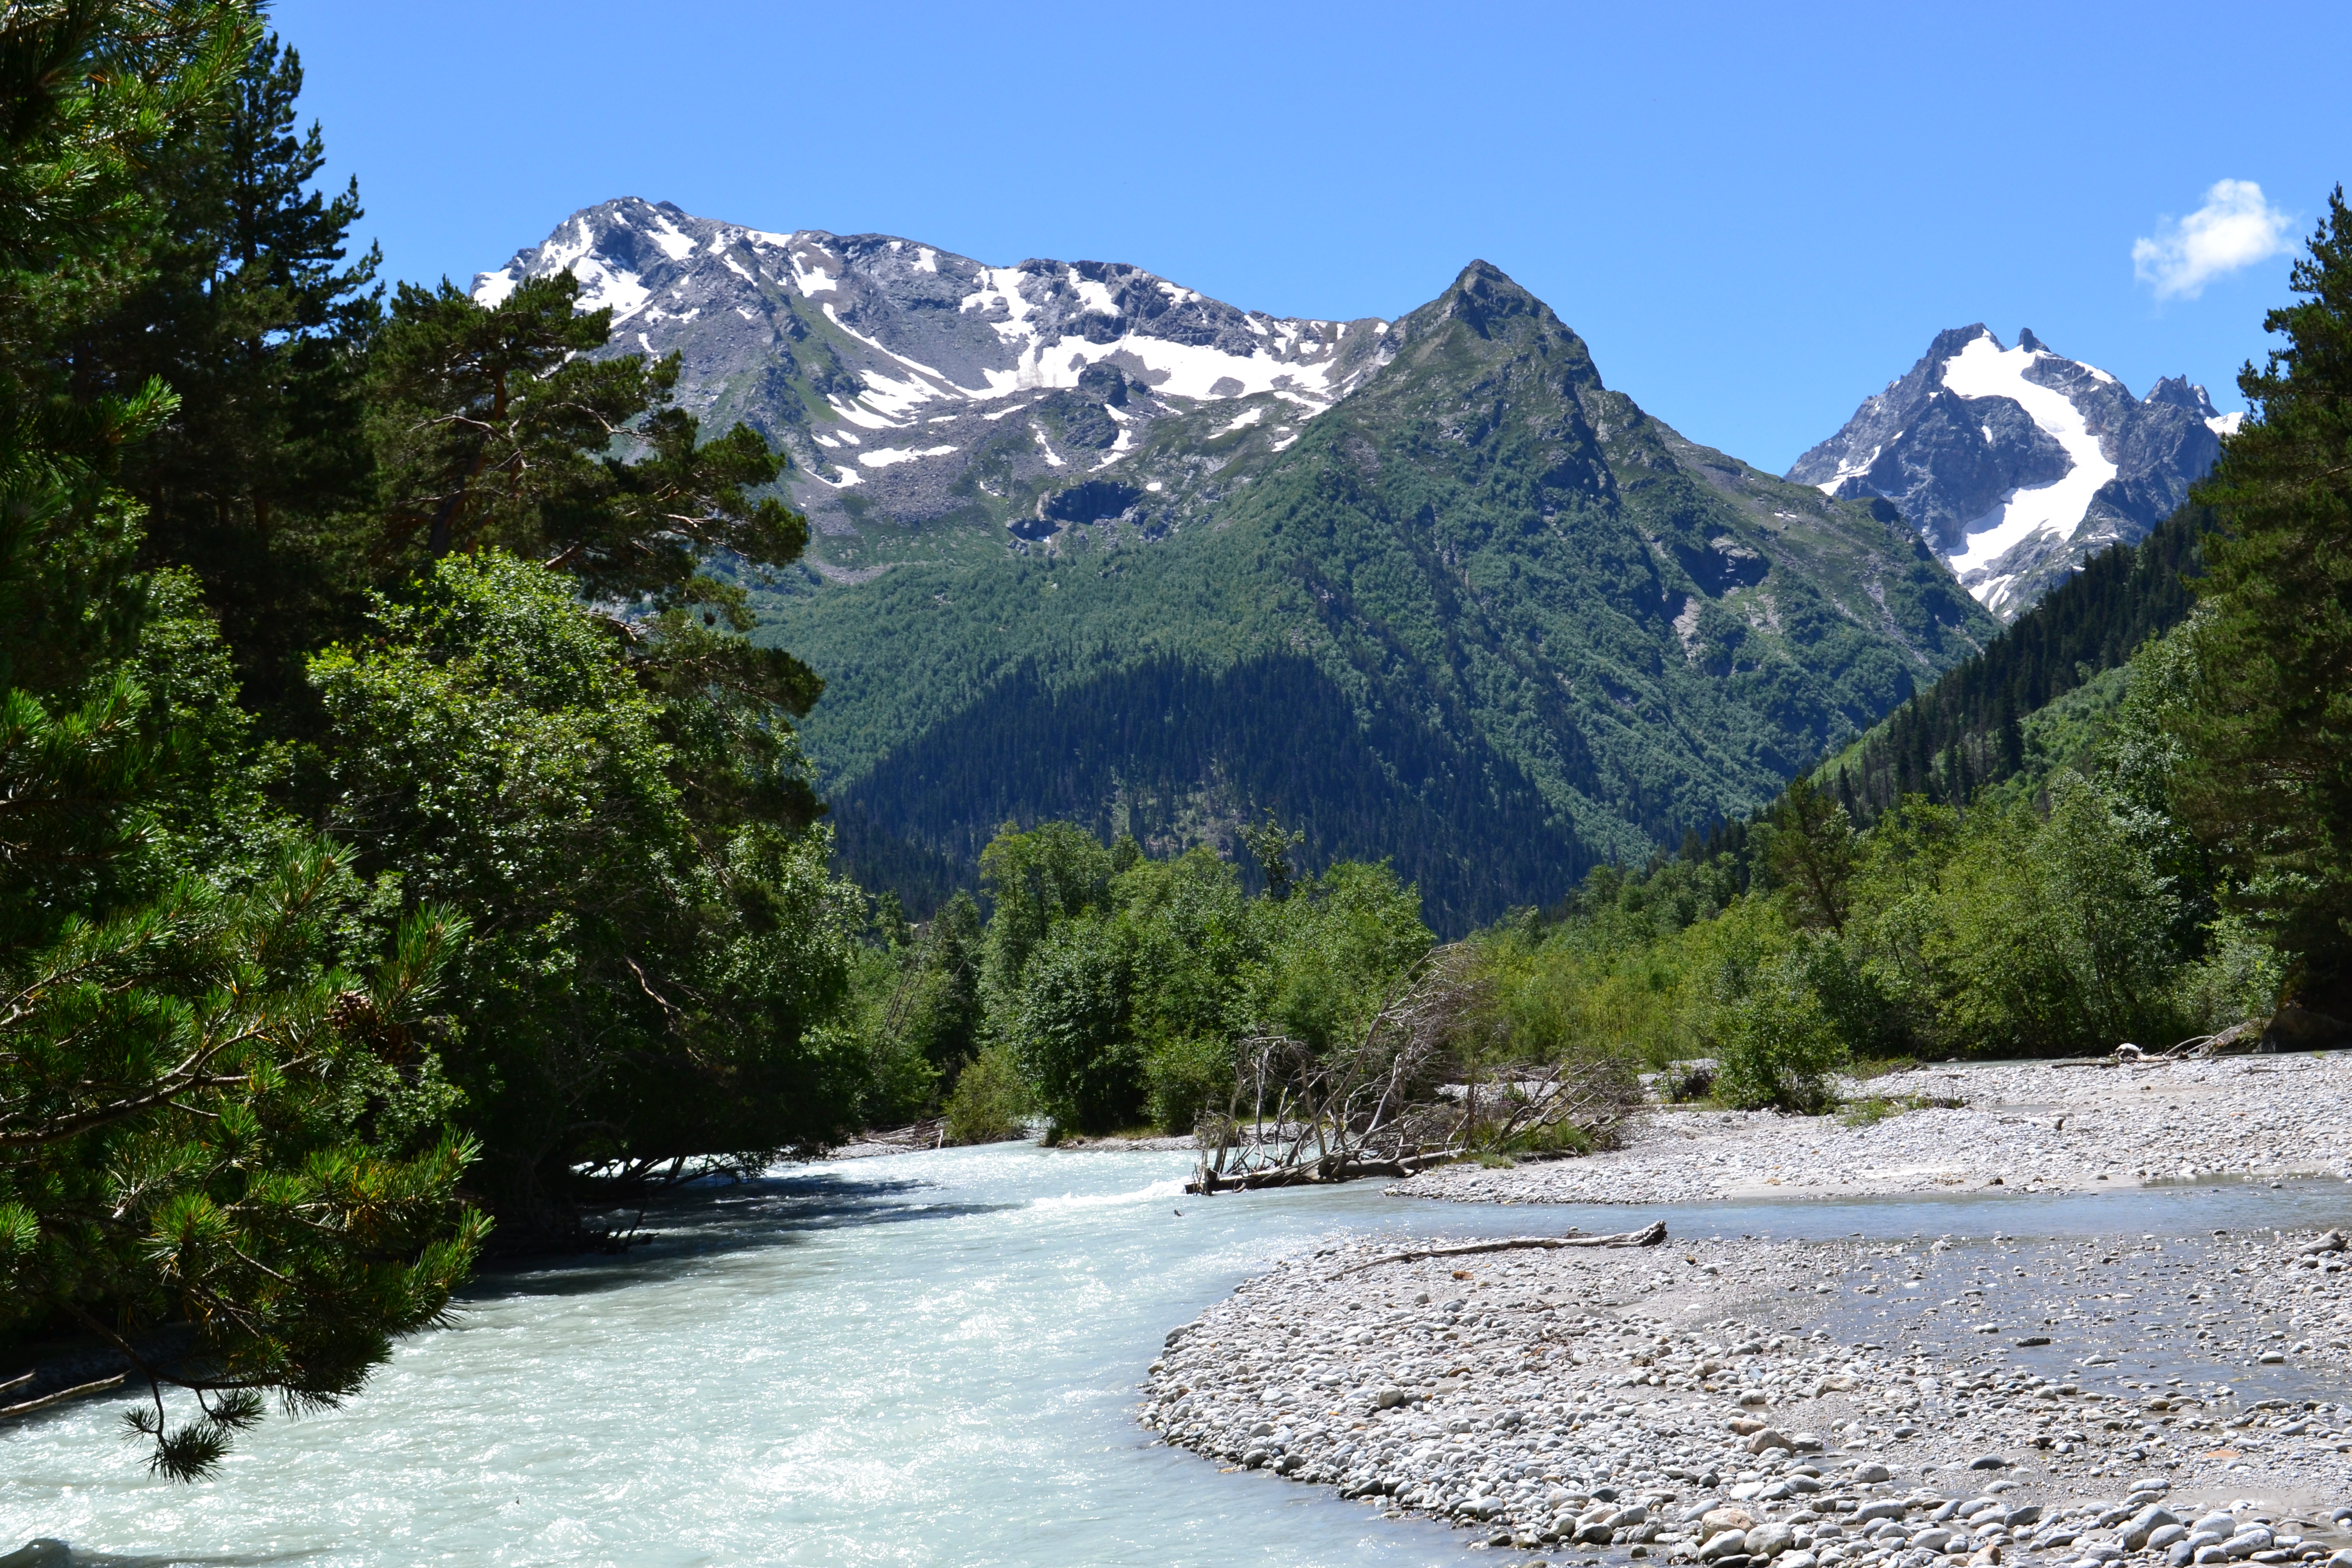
[[1756, 215]]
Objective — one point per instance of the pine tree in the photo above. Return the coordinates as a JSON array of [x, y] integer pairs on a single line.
[[495, 426], [2270, 777], [1273, 850], [249, 311]]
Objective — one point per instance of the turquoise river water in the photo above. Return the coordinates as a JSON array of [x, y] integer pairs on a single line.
[[924, 1359]]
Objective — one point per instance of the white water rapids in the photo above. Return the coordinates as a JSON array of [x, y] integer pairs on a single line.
[[926, 1359]]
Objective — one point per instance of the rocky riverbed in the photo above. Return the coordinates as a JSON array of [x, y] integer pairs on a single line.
[[1737, 1401], [2030, 1127]]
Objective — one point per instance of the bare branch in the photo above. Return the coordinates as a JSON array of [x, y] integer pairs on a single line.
[[1408, 1094], [61, 1395]]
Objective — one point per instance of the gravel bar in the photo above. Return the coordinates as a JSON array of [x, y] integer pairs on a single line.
[[2027, 1126], [1739, 1400]]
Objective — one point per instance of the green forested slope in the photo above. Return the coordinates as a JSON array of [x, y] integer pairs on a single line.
[[2032, 698], [2122, 826], [1516, 580], [1127, 752]]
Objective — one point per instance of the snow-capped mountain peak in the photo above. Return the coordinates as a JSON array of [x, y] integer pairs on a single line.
[[1983, 370], [922, 375], [2018, 464], [925, 326]]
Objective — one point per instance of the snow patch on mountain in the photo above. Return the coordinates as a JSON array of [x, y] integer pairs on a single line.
[[491, 289], [1984, 369], [882, 457], [859, 414], [2016, 464], [1855, 470], [1050, 321], [678, 247]]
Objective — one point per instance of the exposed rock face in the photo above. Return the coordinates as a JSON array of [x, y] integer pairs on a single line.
[[928, 382], [2018, 464]]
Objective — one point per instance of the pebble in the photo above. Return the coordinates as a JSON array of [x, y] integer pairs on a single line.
[[2032, 1126], [1664, 1398]]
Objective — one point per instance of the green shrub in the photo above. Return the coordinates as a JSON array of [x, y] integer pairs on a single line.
[[903, 1086], [2238, 978], [1684, 1081], [2054, 935], [1072, 1032], [992, 1102], [1552, 1139], [1781, 1046], [1185, 1076], [1878, 1108]]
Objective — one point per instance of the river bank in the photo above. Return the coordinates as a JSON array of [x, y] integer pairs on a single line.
[[2027, 1126], [1804, 1394], [924, 1137]]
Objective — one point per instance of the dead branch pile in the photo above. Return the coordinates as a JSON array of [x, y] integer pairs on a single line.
[[1410, 1094]]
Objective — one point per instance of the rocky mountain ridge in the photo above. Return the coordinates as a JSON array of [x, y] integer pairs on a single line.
[[927, 387], [2018, 464], [1091, 545]]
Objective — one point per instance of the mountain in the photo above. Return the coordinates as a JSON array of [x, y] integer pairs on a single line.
[[1091, 544], [891, 372], [2017, 465]]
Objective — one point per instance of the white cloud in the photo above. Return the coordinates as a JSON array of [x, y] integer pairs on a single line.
[[2235, 228]]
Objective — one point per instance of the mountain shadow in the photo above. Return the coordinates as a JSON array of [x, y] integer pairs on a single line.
[[1179, 754]]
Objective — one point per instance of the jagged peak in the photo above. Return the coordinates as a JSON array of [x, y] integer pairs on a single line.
[[1484, 297], [1483, 291], [2182, 393], [2006, 460], [1952, 339], [1482, 270]]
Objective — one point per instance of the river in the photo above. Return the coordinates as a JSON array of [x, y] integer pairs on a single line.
[[921, 1359]]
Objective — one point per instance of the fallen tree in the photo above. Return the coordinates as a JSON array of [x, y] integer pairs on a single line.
[[1413, 1091]]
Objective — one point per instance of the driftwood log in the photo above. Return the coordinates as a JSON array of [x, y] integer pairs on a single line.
[[1648, 1236], [59, 1398]]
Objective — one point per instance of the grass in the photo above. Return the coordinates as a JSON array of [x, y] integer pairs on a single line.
[[1877, 1107]]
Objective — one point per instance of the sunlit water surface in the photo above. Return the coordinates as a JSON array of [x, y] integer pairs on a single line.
[[922, 1359]]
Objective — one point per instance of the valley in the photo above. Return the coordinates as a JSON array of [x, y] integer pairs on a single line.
[[1532, 614], [748, 896]]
